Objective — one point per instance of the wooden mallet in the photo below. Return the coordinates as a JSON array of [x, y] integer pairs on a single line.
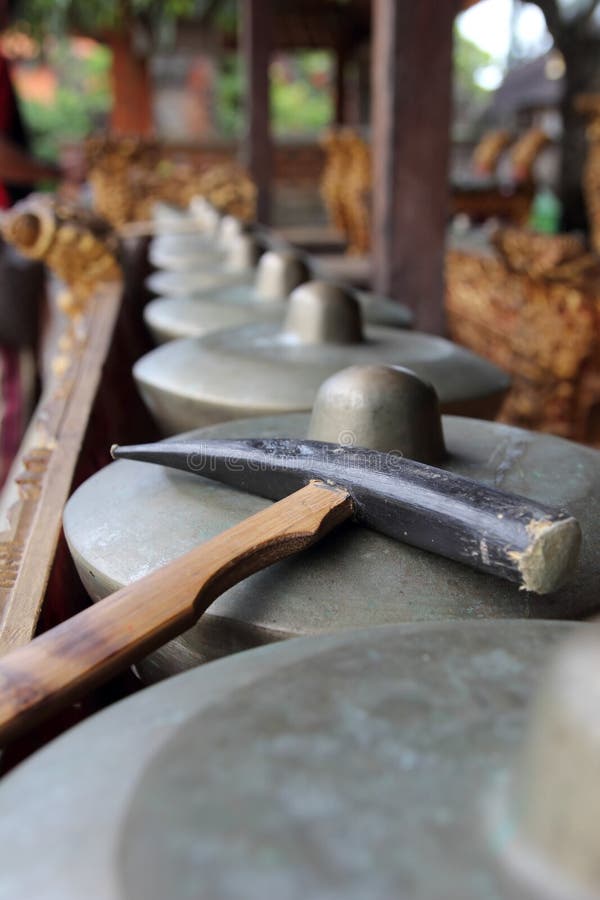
[[322, 485]]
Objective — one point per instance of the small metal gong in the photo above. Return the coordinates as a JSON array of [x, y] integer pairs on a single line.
[[189, 251], [268, 368], [237, 267], [191, 304], [233, 304], [183, 252]]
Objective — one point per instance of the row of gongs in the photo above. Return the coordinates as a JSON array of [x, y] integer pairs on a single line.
[[397, 760]]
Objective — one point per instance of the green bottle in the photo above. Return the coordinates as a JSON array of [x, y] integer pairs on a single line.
[[546, 211]]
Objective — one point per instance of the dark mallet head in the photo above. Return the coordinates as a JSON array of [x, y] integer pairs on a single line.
[[503, 534]]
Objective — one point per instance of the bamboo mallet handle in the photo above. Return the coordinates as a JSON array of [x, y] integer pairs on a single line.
[[62, 664]]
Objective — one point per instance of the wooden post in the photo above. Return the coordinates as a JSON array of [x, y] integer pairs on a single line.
[[340, 59], [363, 86], [255, 41], [411, 114], [132, 90]]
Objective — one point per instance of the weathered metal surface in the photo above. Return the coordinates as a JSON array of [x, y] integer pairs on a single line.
[[233, 304], [269, 368], [184, 252], [239, 297], [131, 518], [551, 802], [170, 318], [198, 282], [364, 764], [180, 249], [382, 407]]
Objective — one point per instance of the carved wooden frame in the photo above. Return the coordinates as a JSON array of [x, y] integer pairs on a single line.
[[41, 476]]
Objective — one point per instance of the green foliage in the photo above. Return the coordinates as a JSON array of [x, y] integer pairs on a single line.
[[93, 17], [470, 99], [468, 58], [301, 94], [225, 16], [301, 98], [82, 102], [228, 96]]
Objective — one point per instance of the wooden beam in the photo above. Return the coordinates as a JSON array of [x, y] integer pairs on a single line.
[[256, 40], [411, 114]]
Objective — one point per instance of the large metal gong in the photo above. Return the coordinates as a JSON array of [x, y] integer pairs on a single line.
[[131, 517], [363, 764]]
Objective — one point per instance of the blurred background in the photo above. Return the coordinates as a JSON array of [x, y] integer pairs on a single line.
[[172, 70]]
